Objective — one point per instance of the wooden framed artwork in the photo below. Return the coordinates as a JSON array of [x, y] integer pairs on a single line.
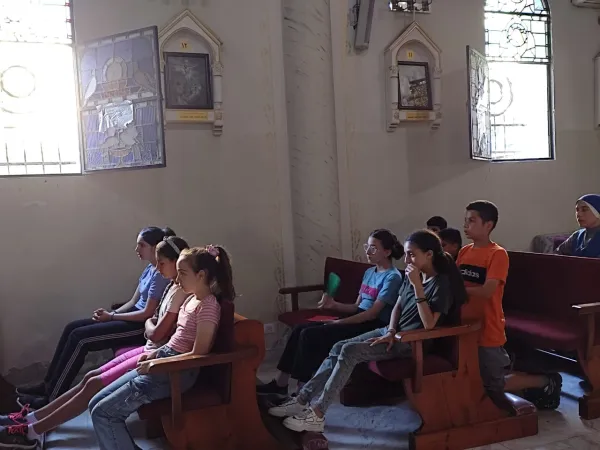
[[188, 83], [414, 86]]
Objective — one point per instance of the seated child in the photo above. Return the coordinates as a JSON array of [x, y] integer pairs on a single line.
[[205, 273], [436, 224], [123, 327], [451, 241], [431, 291], [23, 429], [310, 343], [484, 267], [586, 241]]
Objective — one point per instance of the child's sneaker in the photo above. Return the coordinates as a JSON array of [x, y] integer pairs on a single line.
[[15, 418], [305, 421], [549, 396], [15, 437], [271, 388], [288, 408]]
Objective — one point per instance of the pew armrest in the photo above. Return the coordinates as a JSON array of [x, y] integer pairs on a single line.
[[435, 333], [416, 338], [587, 308], [295, 290], [174, 366]]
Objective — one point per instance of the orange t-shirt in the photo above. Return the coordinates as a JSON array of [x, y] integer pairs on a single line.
[[476, 266]]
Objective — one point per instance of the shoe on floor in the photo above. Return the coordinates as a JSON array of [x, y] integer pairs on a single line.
[[15, 437], [305, 421], [16, 418], [549, 396], [32, 401], [39, 390], [289, 407], [271, 388]]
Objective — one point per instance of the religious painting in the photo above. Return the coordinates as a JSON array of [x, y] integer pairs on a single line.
[[188, 81], [414, 86]]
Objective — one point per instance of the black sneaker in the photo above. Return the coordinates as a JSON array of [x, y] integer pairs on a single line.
[[15, 437], [39, 390], [34, 402], [549, 396], [271, 388]]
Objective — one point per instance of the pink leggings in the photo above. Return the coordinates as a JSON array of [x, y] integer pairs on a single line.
[[120, 365]]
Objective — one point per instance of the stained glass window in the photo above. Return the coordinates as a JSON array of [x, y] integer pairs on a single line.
[[518, 49], [120, 97], [38, 109]]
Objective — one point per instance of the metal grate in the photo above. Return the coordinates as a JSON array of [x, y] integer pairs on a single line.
[[38, 106], [519, 51]]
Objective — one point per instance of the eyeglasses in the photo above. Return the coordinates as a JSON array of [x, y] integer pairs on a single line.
[[370, 249]]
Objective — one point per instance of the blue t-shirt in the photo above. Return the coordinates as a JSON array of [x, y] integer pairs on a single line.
[[383, 286], [152, 285]]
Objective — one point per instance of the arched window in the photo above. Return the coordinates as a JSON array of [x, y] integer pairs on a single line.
[[518, 51]]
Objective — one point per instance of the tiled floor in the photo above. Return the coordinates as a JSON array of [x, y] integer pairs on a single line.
[[559, 430]]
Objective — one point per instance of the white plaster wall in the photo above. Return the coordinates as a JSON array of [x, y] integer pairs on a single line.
[[311, 126], [400, 179], [69, 240]]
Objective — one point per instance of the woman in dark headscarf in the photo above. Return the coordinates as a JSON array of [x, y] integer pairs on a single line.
[[586, 241]]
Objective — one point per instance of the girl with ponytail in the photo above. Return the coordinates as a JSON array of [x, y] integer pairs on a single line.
[[432, 289], [309, 343], [205, 274]]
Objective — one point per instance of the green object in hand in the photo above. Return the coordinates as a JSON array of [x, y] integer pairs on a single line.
[[333, 284]]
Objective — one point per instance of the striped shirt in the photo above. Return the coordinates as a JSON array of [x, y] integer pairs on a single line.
[[191, 315]]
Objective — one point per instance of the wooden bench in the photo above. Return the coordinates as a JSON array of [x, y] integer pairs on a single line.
[[220, 411], [445, 388], [552, 302], [350, 273]]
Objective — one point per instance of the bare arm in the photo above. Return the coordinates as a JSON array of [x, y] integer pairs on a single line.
[[428, 317], [364, 316], [205, 333], [131, 303], [162, 330], [138, 316], [486, 291], [328, 302]]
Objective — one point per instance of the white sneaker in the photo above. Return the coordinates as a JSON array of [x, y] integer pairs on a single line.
[[289, 407], [305, 421]]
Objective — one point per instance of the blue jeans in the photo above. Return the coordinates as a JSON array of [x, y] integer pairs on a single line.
[[335, 371], [116, 402]]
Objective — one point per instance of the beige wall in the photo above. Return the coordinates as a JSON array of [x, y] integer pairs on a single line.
[[304, 167]]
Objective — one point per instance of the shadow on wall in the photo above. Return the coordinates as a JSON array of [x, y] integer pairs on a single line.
[[437, 157]]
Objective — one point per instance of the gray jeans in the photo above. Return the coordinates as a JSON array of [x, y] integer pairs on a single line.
[[335, 371]]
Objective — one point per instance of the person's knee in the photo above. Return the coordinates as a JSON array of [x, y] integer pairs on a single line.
[[94, 384], [351, 351], [336, 350]]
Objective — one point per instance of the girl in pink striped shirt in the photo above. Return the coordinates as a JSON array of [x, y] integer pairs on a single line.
[[206, 274]]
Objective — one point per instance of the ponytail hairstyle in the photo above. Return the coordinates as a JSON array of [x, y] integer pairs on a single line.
[[389, 241], [215, 261], [154, 235], [443, 263], [171, 247]]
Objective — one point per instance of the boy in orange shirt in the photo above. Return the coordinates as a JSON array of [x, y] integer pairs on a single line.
[[484, 267]]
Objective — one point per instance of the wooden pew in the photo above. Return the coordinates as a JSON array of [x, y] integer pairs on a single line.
[[220, 411], [552, 302], [445, 388], [350, 273]]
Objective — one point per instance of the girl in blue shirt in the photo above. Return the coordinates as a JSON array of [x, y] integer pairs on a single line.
[[122, 327], [309, 343]]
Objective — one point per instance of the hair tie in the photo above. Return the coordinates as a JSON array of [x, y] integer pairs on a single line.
[[212, 250], [172, 244]]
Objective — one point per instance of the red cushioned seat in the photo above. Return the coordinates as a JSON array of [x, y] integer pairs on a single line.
[[544, 331], [293, 318], [403, 368]]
